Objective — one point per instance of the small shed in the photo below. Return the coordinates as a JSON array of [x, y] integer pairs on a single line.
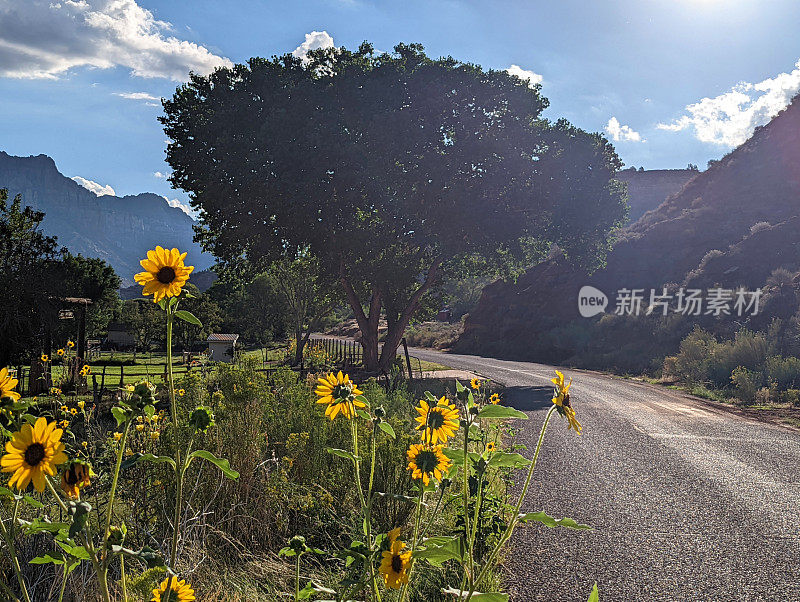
[[222, 347], [119, 337]]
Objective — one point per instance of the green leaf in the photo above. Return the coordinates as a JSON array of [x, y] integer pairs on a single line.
[[549, 521], [137, 457], [400, 498], [32, 502], [37, 525], [430, 397], [363, 414], [78, 552], [287, 553], [312, 588], [387, 428], [507, 460], [188, 316], [220, 463], [595, 595], [120, 414], [342, 453], [6, 491], [439, 550], [457, 455], [479, 596], [494, 411], [460, 387], [49, 558]]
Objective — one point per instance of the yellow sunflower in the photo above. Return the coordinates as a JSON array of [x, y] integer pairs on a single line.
[[181, 591], [426, 461], [60, 352], [165, 273], [340, 394], [562, 401], [70, 344], [395, 563], [44, 357], [495, 398], [32, 453], [475, 383], [7, 385], [75, 477], [437, 422], [490, 447]]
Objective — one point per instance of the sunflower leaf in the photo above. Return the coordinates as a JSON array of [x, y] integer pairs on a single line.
[[32, 502], [6, 491], [387, 428], [220, 463], [188, 316], [595, 595], [342, 453], [549, 521], [137, 457], [37, 525], [51, 557], [439, 550], [120, 414], [507, 460], [363, 414], [500, 412], [478, 596]]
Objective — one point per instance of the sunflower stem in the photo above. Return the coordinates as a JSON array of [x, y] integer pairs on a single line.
[[63, 583], [465, 496], [115, 479], [515, 517], [179, 468], [297, 578], [414, 542], [365, 507], [8, 535]]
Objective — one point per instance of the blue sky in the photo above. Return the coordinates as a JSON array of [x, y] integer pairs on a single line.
[[671, 82]]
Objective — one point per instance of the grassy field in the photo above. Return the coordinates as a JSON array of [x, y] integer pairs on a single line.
[[114, 369]]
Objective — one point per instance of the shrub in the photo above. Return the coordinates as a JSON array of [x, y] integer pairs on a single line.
[[783, 371], [746, 383], [693, 362]]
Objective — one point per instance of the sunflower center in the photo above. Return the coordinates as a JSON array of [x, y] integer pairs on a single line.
[[165, 275], [397, 563], [566, 402], [341, 391], [427, 461], [435, 419], [34, 454]]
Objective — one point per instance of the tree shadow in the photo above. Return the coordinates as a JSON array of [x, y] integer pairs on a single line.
[[527, 399]]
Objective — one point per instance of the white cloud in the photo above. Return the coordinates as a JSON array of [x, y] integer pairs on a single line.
[[44, 39], [160, 175], [96, 188], [185, 207], [619, 132], [314, 40], [531, 77], [730, 118], [137, 96]]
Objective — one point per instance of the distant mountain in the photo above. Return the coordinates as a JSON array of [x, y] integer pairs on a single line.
[[119, 230], [647, 189], [731, 225]]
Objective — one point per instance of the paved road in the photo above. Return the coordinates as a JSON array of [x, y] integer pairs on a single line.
[[688, 502]]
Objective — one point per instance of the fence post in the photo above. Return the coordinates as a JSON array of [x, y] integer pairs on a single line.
[[408, 359], [121, 376]]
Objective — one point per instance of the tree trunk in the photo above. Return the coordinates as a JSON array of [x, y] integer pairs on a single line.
[[368, 324], [397, 328]]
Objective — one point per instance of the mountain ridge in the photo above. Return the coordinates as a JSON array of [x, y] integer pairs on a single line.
[[119, 230]]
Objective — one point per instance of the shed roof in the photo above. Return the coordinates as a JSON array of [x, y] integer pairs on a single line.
[[222, 338]]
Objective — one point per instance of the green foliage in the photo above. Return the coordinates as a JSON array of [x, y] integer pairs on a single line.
[[398, 183], [36, 275]]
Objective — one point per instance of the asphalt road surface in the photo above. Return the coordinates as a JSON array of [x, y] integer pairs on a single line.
[[687, 501]]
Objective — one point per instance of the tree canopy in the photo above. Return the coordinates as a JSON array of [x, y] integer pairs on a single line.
[[37, 275], [389, 169]]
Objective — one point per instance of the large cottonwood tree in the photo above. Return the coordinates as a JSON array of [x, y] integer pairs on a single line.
[[390, 169]]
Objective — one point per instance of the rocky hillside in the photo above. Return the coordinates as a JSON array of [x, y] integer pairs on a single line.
[[119, 230], [730, 225], [647, 189]]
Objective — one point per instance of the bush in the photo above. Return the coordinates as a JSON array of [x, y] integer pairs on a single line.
[[783, 371], [746, 383], [693, 362]]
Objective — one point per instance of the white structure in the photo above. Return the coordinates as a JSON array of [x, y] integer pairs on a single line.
[[222, 347]]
